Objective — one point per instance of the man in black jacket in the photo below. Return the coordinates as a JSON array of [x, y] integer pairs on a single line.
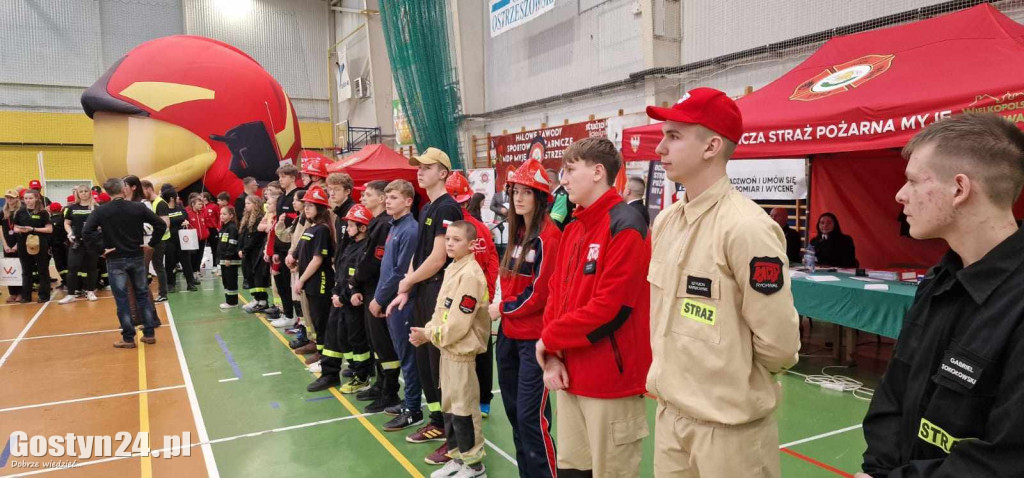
[[793, 239], [633, 195], [121, 224], [950, 403]]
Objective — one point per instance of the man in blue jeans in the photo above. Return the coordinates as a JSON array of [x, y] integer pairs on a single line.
[[120, 222]]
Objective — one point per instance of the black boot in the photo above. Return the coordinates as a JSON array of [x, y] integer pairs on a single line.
[[323, 383]]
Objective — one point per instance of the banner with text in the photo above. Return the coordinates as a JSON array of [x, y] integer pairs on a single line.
[[545, 145], [784, 179], [508, 14]]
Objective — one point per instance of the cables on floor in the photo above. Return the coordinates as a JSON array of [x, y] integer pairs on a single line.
[[840, 383]]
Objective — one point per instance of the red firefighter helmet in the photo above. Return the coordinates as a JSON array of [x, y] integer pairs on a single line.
[[458, 186], [359, 214], [181, 109], [316, 195], [532, 174], [314, 167]]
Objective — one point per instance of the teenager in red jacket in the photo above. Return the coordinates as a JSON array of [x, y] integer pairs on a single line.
[[595, 347], [486, 256], [526, 269], [197, 218]]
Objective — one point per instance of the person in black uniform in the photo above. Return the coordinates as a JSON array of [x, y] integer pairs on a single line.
[[831, 246], [424, 284], [793, 239], [384, 392], [82, 257], [949, 404], [228, 256], [32, 223], [59, 243], [12, 204], [315, 261], [174, 254], [255, 270]]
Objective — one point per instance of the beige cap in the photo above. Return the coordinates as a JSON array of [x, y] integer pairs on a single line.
[[431, 156], [11, 194]]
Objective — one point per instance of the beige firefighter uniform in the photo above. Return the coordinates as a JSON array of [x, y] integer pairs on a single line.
[[722, 322], [460, 328]]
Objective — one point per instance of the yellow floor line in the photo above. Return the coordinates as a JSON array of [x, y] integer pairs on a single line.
[[348, 405], [147, 462]]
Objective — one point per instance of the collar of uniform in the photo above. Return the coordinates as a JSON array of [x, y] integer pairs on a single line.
[[695, 208], [981, 278], [589, 215], [459, 264]]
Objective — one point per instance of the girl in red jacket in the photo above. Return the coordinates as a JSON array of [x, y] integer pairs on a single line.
[[197, 218], [526, 269]]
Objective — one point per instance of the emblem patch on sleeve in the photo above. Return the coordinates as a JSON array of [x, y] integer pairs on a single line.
[[378, 252], [766, 275], [468, 304]]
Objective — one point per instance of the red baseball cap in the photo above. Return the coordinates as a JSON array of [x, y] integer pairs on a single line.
[[707, 107], [35, 184]]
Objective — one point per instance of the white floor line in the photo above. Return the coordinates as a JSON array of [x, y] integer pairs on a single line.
[[270, 374], [818, 437], [501, 452], [79, 300], [232, 379], [211, 463], [87, 399], [64, 335], [21, 336], [206, 444]]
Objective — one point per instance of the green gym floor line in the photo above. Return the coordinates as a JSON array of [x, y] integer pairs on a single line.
[[248, 382]]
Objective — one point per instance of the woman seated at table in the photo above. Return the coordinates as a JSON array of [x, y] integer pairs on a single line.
[[831, 246]]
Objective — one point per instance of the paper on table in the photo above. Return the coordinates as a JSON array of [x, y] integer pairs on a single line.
[[796, 273], [876, 286], [866, 279], [823, 278]]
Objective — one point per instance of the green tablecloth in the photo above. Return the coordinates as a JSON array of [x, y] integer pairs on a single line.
[[847, 303]]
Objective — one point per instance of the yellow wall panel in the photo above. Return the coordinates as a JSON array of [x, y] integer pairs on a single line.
[[315, 134], [19, 164], [45, 128]]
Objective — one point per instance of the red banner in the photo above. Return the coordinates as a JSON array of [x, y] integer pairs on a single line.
[[546, 145]]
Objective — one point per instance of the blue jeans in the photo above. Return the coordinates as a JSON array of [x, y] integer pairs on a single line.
[[124, 269], [398, 325]]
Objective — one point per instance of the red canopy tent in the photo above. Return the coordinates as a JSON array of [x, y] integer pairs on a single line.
[[376, 162], [860, 98]]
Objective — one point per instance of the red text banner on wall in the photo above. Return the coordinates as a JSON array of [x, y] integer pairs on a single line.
[[546, 145]]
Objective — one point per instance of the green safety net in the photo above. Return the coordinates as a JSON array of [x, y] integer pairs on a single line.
[[418, 37]]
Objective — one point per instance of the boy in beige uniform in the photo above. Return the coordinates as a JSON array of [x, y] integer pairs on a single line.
[[460, 328], [722, 315]]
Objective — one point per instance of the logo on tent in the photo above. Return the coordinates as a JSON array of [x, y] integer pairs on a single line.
[[844, 77]]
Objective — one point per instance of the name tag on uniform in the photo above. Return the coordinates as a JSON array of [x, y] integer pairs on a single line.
[[698, 286], [702, 313], [960, 369], [448, 303]]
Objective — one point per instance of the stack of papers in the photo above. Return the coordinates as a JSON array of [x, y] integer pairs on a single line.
[[876, 286], [823, 278]]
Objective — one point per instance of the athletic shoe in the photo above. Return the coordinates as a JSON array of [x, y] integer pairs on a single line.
[[439, 456], [370, 394], [323, 383], [66, 300], [224, 306], [449, 469], [91, 296], [163, 298], [282, 322], [394, 410], [469, 472], [315, 368], [355, 385], [427, 433], [485, 409], [380, 404], [272, 310], [249, 308], [408, 418]]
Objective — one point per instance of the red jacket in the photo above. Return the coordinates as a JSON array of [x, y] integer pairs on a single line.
[[599, 308], [212, 216], [524, 294], [198, 222], [484, 252]]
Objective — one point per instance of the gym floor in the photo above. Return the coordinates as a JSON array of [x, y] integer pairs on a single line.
[[230, 380]]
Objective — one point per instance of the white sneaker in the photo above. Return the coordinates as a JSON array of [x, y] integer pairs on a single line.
[[67, 300], [248, 308], [283, 322], [91, 296], [228, 306], [467, 471], [449, 469], [315, 367]]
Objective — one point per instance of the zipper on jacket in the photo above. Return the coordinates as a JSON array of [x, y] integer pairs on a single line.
[[615, 351]]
